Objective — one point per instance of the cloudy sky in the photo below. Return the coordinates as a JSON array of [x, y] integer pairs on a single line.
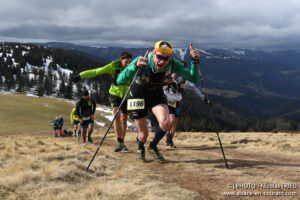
[[139, 23]]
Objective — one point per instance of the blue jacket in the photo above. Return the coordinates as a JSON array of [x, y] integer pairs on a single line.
[[54, 123], [60, 122]]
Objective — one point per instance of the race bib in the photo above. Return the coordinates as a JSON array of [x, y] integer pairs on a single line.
[[86, 118], [135, 104], [172, 103]]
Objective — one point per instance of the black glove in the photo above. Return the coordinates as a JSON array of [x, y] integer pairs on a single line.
[[207, 101], [75, 78]]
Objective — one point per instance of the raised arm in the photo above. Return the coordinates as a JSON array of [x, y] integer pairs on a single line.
[[128, 73], [190, 86]]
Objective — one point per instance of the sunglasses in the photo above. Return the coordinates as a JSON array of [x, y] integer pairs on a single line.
[[164, 58]]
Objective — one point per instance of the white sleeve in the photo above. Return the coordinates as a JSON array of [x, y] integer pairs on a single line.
[[191, 86]]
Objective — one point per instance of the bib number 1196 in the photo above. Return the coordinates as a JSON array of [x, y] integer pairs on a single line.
[[135, 104]]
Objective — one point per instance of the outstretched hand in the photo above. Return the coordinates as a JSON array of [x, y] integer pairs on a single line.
[[142, 61], [75, 78], [194, 53]]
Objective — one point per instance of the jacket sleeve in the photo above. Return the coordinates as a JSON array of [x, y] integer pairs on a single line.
[[107, 69], [128, 73], [71, 115], [191, 75], [190, 86]]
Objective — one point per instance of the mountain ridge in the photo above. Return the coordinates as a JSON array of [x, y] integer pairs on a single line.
[[232, 95]]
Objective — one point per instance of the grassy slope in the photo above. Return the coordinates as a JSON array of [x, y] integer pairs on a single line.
[[43, 167], [23, 114]]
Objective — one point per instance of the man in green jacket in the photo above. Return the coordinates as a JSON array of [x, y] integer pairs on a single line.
[[146, 92], [116, 92]]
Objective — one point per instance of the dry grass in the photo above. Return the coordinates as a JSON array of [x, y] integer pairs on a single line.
[[41, 167], [47, 168], [267, 143]]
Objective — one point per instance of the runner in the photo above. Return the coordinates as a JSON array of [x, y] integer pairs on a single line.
[[147, 92], [116, 93], [75, 121], [54, 124], [85, 108], [173, 92]]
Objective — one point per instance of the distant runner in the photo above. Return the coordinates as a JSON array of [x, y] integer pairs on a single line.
[[60, 122], [85, 108], [75, 121], [147, 92], [173, 92], [54, 124], [116, 93]]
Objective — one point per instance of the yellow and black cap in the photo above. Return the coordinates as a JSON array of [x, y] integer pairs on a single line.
[[163, 46]]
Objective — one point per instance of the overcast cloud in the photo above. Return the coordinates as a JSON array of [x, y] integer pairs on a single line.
[[136, 23]]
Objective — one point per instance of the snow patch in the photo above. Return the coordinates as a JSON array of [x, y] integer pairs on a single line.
[[239, 52], [181, 52], [110, 118], [205, 52], [104, 110], [31, 95], [65, 71], [100, 123]]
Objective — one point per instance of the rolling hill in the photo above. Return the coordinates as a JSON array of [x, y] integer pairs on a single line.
[[31, 114]]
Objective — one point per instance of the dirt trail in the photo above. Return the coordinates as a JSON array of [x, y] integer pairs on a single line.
[[201, 168]]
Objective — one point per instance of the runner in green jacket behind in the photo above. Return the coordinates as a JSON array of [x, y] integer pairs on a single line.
[[116, 92]]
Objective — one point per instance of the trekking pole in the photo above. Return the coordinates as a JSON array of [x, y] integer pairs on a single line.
[[118, 110], [211, 114]]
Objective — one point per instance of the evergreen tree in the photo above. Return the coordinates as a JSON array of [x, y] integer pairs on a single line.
[[62, 88], [40, 90], [41, 74], [18, 74], [68, 91], [26, 80], [4, 54], [9, 61], [48, 87], [40, 83], [22, 62], [21, 81], [9, 80], [17, 54], [79, 90], [1, 81], [32, 83], [35, 57], [52, 65]]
